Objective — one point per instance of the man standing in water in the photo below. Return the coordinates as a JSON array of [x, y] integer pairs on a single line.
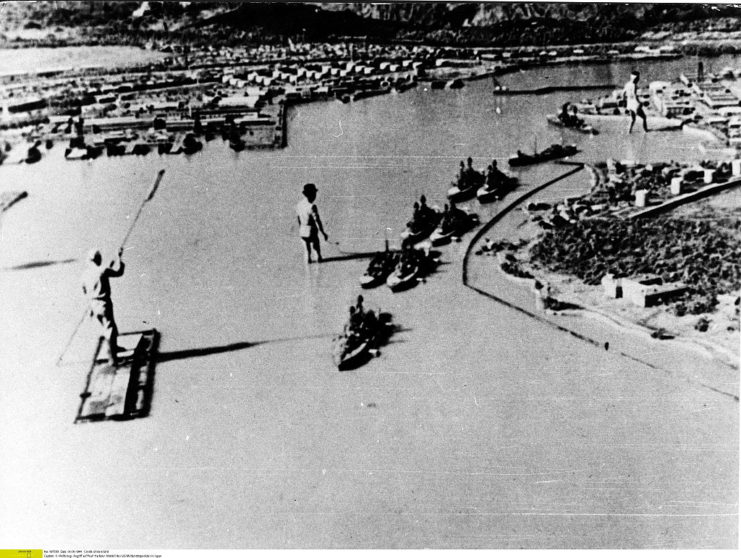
[[96, 286], [634, 106], [309, 223]]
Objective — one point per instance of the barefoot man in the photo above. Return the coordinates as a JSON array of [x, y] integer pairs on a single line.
[[309, 223], [634, 106]]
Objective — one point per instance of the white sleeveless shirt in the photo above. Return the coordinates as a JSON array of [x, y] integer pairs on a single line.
[[305, 211]]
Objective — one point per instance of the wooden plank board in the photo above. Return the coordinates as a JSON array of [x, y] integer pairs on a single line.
[[121, 392], [119, 387], [126, 368], [99, 390], [142, 376]]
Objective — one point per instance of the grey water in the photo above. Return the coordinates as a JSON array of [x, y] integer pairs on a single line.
[[486, 429]]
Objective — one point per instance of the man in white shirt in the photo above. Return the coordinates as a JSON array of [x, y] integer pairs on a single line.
[[634, 106], [309, 223]]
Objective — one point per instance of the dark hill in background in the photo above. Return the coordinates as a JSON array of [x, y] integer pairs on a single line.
[[524, 23], [543, 23], [481, 23], [437, 14], [308, 21]]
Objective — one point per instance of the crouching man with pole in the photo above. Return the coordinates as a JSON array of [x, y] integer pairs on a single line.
[[97, 288]]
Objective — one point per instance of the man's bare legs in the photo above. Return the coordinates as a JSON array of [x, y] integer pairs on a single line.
[[310, 243], [640, 113]]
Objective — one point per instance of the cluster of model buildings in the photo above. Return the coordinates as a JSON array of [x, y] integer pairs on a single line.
[[219, 90], [709, 101], [624, 189]]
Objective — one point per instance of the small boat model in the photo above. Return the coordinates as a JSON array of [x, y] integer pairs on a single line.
[[487, 194], [401, 86], [140, 148], [379, 268], [164, 147], [347, 355], [421, 228], [34, 154], [555, 151], [191, 144], [403, 278], [454, 228], [456, 193], [583, 128], [115, 149], [413, 265], [75, 153], [177, 146], [94, 151], [237, 144], [463, 191], [84, 152], [351, 350]]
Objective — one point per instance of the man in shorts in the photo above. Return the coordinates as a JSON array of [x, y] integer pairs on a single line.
[[309, 223], [634, 106]]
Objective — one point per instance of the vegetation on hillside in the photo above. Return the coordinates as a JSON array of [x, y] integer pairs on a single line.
[[703, 254], [495, 24]]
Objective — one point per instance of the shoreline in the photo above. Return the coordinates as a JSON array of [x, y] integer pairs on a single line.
[[577, 306]]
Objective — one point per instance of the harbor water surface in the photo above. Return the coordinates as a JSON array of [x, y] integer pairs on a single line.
[[476, 427]]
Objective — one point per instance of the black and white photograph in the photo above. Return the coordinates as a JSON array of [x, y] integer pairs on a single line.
[[402, 275]]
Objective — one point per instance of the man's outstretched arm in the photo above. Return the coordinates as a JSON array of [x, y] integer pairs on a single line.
[[116, 267]]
